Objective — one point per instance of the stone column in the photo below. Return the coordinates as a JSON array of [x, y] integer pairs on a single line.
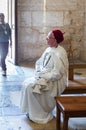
[[83, 47]]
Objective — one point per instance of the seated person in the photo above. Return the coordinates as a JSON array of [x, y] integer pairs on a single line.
[[50, 79]]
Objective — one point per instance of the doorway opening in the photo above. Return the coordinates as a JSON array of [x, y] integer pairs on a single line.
[[9, 8]]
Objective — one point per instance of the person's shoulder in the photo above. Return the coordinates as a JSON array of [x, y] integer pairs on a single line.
[[7, 24], [61, 48], [47, 49]]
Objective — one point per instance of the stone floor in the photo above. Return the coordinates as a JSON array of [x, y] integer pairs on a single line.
[[11, 117]]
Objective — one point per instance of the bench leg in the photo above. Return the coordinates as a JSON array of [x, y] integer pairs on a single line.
[[71, 74], [58, 120], [65, 123]]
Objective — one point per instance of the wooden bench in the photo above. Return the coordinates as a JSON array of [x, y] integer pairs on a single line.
[[73, 66], [69, 106], [75, 89], [65, 103]]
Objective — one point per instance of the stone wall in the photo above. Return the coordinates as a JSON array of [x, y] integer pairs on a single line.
[[37, 17]]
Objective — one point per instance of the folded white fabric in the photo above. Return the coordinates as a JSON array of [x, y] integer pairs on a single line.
[[41, 85]]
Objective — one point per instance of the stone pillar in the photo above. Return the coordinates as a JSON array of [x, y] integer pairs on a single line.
[[83, 49]]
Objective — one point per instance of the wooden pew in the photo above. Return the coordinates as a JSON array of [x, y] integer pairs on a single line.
[[69, 107], [75, 89], [73, 66]]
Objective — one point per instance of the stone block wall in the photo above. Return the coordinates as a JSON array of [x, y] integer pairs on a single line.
[[37, 17]]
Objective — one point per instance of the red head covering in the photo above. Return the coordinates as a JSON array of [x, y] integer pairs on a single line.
[[58, 35]]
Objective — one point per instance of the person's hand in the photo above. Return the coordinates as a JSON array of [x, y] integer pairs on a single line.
[[37, 75]]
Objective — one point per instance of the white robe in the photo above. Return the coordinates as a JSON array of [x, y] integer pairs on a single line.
[[50, 79]]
